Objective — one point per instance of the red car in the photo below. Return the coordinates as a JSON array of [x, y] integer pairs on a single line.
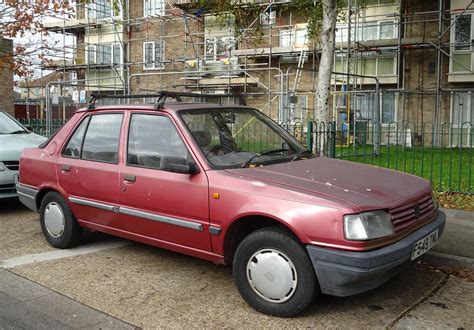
[[227, 184]]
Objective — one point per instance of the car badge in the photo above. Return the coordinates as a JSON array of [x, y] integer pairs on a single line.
[[417, 211]]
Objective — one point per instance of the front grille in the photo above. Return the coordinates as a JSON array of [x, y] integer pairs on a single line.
[[12, 165], [406, 215], [7, 188]]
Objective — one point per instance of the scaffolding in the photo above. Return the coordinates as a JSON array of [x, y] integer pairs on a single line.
[[409, 46]]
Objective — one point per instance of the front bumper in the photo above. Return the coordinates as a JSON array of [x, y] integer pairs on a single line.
[[344, 273], [7, 183]]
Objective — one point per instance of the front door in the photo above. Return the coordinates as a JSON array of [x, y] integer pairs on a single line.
[[156, 202]]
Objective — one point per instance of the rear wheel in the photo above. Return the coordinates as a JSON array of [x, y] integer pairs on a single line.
[[59, 226], [273, 273]]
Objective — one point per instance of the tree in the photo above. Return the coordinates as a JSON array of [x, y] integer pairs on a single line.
[[23, 20], [327, 35]]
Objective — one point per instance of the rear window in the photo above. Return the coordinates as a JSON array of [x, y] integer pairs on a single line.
[[74, 146]]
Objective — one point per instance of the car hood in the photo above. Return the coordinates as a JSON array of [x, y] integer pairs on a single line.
[[11, 145], [363, 186]]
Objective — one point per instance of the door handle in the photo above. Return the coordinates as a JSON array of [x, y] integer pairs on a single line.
[[65, 168], [129, 178]]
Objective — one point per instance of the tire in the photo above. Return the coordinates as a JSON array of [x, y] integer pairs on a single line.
[[273, 273], [59, 225]]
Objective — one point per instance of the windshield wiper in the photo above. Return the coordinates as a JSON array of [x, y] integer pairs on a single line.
[[20, 131], [258, 154], [300, 154]]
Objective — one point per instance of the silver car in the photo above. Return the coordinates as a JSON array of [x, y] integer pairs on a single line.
[[14, 137]]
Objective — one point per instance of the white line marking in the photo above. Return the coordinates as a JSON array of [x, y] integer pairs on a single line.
[[59, 254]]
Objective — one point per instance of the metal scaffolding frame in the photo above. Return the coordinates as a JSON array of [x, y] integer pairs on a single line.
[[255, 64]]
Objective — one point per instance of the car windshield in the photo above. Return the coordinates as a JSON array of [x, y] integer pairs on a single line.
[[241, 137], [10, 126]]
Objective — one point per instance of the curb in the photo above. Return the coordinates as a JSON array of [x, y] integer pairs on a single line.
[[448, 260]]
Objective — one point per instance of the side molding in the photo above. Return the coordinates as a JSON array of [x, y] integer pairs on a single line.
[[139, 214]]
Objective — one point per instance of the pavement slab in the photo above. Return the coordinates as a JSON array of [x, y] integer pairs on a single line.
[[27, 305], [152, 288], [455, 248], [452, 306]]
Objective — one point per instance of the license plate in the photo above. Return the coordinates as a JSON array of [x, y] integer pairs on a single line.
[[424, 244]]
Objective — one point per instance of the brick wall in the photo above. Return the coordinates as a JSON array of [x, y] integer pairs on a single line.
[[6, 79]]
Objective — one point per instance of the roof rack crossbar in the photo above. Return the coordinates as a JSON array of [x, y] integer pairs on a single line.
[[178, 96], [162, 96]]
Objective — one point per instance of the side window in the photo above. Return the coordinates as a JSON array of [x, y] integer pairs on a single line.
[[153, 141], [102, 138], [73, 147]]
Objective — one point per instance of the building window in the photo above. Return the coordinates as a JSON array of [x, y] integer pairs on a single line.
[[462, 119], [371, 66], [154, 7], [343, 3], [117, 55], [218, 47], [368, 31], [285, 38], [104, 54], [103, 9], [462, 32], [295, 37], [154, 54], [461, 60], [363, 106], [91, 52], [462, 111], [301, 32]]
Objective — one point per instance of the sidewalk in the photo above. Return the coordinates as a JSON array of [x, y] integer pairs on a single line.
[[27, 305], [456, 246]]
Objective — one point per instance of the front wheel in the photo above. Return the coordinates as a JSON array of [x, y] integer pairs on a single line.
[[273, 273]]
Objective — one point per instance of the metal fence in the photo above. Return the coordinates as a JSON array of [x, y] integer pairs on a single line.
[[39, 125], [443, 154]]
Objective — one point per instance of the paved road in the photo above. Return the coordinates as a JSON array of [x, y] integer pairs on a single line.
[[110, 280]]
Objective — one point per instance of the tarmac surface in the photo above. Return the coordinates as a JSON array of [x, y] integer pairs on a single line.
[[112, 283]]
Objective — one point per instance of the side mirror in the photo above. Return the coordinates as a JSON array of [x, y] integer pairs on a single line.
[[178, 165]]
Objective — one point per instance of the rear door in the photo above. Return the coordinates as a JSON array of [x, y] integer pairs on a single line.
[[157, 203], [88, 169]]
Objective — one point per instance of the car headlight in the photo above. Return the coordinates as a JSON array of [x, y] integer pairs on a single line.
[[2, 168], [367, 225]]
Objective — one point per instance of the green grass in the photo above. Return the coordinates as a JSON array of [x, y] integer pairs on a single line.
[[449, 169]]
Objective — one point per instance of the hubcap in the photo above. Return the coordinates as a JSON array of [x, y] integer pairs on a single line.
[[54, 219], [272, 275]]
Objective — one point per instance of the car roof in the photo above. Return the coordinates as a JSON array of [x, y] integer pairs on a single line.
[[173, 107]]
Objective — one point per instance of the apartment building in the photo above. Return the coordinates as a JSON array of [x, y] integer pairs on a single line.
[[395, 61]]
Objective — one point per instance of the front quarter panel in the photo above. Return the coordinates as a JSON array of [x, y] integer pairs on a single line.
[[314, 220]]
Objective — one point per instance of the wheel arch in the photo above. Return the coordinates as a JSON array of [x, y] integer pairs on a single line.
[[43, 191], [245, 225]]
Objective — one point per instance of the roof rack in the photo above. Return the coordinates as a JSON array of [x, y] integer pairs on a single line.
[[163, 96]]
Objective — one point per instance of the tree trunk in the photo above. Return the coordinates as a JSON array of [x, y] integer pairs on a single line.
[[327, 35]]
